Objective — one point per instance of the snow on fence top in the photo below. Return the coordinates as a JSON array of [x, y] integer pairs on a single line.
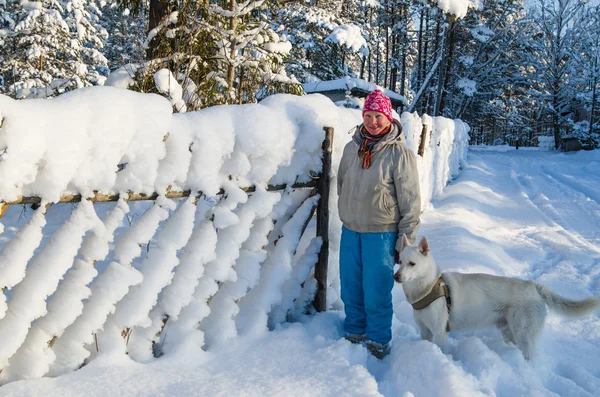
[[113, 140], [231, 265]]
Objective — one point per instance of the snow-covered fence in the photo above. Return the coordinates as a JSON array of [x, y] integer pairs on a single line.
[[546, 142], [441, 145], [219, 251]]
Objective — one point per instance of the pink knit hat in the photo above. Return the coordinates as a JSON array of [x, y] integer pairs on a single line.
[[377, 101]]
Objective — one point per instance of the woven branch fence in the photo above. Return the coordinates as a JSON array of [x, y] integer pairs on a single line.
[[55, 319]]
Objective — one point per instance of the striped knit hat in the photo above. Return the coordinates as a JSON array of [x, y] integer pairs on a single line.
[[377, 101]]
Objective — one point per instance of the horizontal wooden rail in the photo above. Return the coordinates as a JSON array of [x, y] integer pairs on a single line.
[[99, 197]]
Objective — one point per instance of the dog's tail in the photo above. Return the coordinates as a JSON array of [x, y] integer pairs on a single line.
[[565, 306]]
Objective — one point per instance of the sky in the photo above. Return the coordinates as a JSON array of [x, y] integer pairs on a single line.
[[527, 213]]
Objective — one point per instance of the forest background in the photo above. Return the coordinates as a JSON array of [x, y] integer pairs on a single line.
[[512, 69]]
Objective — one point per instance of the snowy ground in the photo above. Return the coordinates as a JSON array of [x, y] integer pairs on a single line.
[[525, 213]]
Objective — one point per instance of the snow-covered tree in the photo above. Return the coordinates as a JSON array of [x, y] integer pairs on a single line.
[[50, 47], [328, 38], [127, 33], [490, 79], [218, 52], [591, 57], [557, 68]]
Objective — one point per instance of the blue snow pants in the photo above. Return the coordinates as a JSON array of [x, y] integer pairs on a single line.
[[367, 279]]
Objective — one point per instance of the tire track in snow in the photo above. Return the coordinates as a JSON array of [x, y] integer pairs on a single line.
[[557, 195], [586, 197], [553, 217], [558, 259]]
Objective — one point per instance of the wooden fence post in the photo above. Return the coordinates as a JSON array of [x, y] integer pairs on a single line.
[[320, 302], [421, 150], [3, 207]]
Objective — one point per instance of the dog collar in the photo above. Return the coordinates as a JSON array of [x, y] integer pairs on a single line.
[[438, 291]]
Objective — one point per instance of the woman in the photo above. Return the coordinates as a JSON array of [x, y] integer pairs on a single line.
[[379, 200]]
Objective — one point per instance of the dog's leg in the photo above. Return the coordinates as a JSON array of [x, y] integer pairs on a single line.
[[440, 339], [509, 337], [425, 332], [526, 323], [507, 334]]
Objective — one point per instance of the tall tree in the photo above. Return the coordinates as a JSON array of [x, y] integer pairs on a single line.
[[592, 58], [218, 52], [490, 82], [557, 48], [327, 43]]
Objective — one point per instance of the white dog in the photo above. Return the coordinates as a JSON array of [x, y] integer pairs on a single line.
[[457, 301]]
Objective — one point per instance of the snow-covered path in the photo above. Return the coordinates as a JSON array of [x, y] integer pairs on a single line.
[[525, 213]]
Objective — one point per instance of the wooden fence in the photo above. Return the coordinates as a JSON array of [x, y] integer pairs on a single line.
[[320, 185]]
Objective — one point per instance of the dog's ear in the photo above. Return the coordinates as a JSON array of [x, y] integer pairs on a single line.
[[405, 242], [424, 246]]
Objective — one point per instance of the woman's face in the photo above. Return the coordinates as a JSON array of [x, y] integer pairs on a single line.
[[375, 122]]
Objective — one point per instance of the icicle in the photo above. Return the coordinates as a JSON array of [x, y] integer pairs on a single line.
[[18, 251], [43, 274], [107, 289], [33, 358]]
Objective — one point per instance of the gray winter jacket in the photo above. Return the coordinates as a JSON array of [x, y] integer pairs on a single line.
[[384, 197]]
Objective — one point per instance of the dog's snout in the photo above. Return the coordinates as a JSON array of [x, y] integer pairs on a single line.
[[398, 277]]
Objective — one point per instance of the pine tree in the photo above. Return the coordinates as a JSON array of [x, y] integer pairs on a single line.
[[320, 34], [219, 52], [50, 48], [127, 33]]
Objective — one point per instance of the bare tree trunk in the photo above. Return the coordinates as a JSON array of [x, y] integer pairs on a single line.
[[448, 70], [377, 58], [594, 84], [370, 13], [425, 46], [362, 67], [593, 110], [403, 73], [159, 9], [430, 99], [419, 51], [394, 71], [387, 51], [441, 76], [240, 86], [555, 123], [230, 68], [396, 40]]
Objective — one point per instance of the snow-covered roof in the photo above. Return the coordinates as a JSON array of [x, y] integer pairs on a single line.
[[349, 83]]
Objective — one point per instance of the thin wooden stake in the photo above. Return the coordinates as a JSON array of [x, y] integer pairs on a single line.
[[421, 150], [320, 301]]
